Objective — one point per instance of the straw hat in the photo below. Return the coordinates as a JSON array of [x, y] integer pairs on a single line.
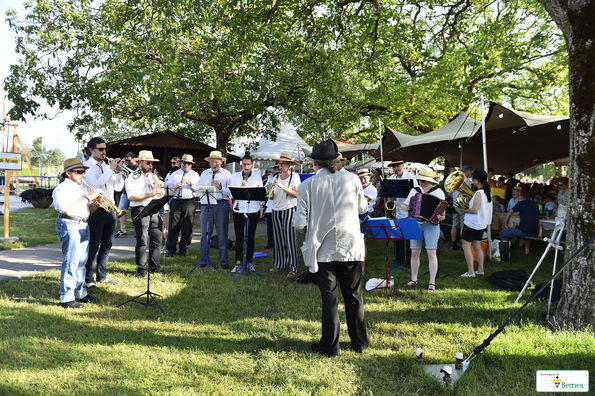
[[188, 158], [73, 163], [341, 158], [363, 172], [146, 155], [215, 154], [286, 158], [426, 174]]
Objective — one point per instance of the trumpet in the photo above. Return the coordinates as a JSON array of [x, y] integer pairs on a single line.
[[121, 169], [103, 202]]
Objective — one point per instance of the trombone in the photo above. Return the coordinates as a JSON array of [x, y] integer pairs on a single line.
[[103, 202], [121, 169]]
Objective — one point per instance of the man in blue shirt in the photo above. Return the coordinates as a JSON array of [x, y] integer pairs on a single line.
[[529, 212]]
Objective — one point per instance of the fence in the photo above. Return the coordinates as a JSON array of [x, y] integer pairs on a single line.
[[22, 183]]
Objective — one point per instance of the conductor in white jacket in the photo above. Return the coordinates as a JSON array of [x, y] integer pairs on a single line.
[[328, 205]]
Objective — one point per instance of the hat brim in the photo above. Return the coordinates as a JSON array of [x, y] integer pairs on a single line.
[[428, 179], [146, 159], [219, 158], [396, 163], [75, 166], [292, 162], [190, 162], [364, 174], [326, 158]]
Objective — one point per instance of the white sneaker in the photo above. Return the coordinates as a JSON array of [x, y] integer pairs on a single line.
[[235, 269]]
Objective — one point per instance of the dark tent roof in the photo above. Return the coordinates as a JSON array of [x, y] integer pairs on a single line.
[[165, 145], [515, 141]]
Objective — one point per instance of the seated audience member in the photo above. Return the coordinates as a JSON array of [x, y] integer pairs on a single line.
[[549, 202], [516, 197], [529, 225], [498, 204], [491, 181], [501, 182]]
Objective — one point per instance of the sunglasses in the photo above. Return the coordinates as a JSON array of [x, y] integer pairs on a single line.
[[101, 148], [560, 185], [79, 171], [185, 163], [173, 162]]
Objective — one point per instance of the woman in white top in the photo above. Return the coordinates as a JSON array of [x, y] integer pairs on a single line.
[[430, 232], [284, 190], [477, 219]]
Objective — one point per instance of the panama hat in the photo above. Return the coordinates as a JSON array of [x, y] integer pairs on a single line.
[[363, 172], [286, 158], [146, 155], [426, 174], [188, 158], [215, 154], [73, 163]]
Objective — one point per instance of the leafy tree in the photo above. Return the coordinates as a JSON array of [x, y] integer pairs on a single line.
[[575, 19], [234, 67]]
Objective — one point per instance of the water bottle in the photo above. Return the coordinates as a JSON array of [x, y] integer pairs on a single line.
[[391, 284]]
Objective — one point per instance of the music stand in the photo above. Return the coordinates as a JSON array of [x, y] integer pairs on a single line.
[[152, 208], [247, 194], [396, 188], [207, 197], [395, 229]]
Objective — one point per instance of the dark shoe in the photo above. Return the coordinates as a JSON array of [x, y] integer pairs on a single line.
[[120, 234], [182, 254], [71, 304], [316, 348], [225, 267], [140, 275], [169, 254], [89, 299], [454, 246], [109, 282], [159, 271]]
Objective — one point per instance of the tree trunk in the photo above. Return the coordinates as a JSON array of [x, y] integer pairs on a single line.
[[575, 19]]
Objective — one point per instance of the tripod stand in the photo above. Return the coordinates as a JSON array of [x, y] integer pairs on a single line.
[[553, 242], [150, 210], [247, 194]]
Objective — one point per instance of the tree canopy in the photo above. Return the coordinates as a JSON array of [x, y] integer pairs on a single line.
[[235, 67]]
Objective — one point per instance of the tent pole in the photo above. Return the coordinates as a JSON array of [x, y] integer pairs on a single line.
[[485, 162], [381, 152]]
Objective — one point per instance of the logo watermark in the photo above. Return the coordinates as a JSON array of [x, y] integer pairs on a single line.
[[562, 381]]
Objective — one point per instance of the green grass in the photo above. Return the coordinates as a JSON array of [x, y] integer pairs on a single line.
[[252, 337]]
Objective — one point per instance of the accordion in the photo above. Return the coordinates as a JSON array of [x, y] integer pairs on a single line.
[[427, 207]]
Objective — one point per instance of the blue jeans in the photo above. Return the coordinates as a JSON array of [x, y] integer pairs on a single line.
[[218, 217], [431, 234], [102, 226], [510, 233], [124, 201], [75, 246]]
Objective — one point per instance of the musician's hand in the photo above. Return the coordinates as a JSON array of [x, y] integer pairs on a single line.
[[405, 207], [215, 183], [441, 217], [93, 195], [114, 164], [244, 184], [276, 182]]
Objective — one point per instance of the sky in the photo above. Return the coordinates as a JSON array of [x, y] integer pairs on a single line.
[[54, 133]]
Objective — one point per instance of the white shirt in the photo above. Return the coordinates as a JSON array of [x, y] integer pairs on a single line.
[[67, 193], [343, 170], [102, 177], [255, 180], [281, 200], [141, 185], [372, 193], [483, 217], [222, 176], [184, 192], [401, 213]]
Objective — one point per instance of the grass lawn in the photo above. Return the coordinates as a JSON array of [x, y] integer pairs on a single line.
[[253, 337]]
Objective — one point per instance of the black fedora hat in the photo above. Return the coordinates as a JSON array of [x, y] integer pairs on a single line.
[[325, 150]]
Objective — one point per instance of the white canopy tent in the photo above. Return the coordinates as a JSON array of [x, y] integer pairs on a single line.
[[288, 141]]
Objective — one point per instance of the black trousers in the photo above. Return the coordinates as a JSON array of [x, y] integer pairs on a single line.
[[181, 218], [348, 276], [148, 231], [239, 225], [403, 253], [102, 226]]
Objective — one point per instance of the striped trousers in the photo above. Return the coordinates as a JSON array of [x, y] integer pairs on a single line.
[[285, 237]]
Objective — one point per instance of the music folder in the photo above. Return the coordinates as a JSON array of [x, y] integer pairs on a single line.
[[207, 195], [395, 188], [152, 207], [248, 193]]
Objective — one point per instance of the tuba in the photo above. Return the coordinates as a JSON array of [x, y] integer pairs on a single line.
[[456, 182]]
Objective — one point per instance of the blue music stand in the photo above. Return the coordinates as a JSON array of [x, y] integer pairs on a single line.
[[206, 195], [247, 194], [395, 229]]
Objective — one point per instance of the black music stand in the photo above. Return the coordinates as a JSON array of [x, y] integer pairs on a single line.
[[152, 208], [206, 195], [396, 188], [247, 194], [395, 229]]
